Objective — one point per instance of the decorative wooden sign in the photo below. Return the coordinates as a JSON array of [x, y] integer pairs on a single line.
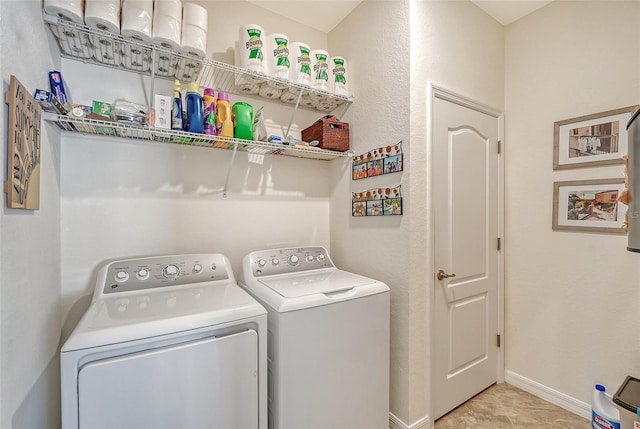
[[23, 149]]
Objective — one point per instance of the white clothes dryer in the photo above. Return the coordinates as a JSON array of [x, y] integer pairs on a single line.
[[328, 351], [167, 342]]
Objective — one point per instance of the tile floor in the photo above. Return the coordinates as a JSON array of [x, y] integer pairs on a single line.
[[503, 406]]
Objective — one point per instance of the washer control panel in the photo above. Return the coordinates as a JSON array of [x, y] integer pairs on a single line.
[[159, 271], [289, 260]]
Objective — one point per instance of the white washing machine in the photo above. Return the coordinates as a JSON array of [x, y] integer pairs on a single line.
[[328, 345], [167, 342]]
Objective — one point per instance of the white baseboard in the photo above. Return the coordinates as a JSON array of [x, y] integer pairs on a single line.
[[560, 399], [396, 423]]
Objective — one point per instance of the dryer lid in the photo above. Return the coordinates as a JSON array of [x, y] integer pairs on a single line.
[[133, 316]]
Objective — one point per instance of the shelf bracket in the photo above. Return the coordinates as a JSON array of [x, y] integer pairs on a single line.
[[293, 114], [226, 180]]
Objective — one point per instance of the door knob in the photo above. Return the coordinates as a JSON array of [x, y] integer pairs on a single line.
[[441, 275]]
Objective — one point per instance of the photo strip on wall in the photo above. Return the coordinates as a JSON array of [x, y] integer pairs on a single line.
[[383, 160], [377, 202]]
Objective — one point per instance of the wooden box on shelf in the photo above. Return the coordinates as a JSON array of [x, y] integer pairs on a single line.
[[329, 132]]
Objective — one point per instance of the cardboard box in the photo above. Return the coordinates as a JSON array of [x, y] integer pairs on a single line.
[[330, 133]]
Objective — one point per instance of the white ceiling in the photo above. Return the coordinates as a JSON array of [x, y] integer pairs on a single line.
[[325, 15]]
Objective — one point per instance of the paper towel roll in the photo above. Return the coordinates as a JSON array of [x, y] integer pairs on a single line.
[[167, 22], [65, 9], [300, 71], [288, 96], [137, 19], [103, 14], [241, 80], [307, 101], [187, 69], [194, 29], [106, 50], [136, 58], [251, 46], [267, 91], [277, 56], [320, 69], [338, 76]]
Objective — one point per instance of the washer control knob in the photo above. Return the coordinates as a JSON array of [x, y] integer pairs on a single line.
[[320, 257], [171, 271], [262, 263], [293, 260], [213, 267], [197, 268], [121, 276], [309, 258], [275, 262], [143, 274]]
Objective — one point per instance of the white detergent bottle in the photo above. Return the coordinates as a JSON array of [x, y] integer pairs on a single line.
[[604, 414]]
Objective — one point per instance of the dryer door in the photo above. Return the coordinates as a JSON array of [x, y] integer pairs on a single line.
[[203, 383]]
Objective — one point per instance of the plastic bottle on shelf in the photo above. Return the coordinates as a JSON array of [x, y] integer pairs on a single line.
[[195, 119], [243, 120], [604, 414], [209, 101], [224, 121], [176, 108]]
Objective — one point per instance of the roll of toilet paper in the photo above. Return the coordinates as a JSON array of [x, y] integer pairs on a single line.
[[107, 51], [103, 14], [326, 106], [167, 22], [289, 96], [338, 76], [300, 71], [73, 43], [268, 91], [320, 69], [136, 58], [194, 29], [251, 47], [277, 56], [137, 19], [187, 69], [66, 9], [247, 86], [165, 64]]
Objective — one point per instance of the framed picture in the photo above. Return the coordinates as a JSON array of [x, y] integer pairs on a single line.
[[589, 141], [383, 160], [589, 205]]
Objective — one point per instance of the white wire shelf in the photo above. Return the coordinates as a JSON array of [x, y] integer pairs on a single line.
[[159, 135], [95, 46]]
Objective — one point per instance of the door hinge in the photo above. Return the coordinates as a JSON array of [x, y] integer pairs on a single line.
[[499, 244], [499, 146], [498, 340]]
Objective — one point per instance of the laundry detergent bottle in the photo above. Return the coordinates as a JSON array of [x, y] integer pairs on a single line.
[[224, 121], [209, 101], [176, 108], [604, 414], [195, 112]]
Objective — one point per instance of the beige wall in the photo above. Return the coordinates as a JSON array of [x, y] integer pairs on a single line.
[[571, 298]]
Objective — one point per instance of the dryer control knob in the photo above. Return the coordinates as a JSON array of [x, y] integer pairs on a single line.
[[309, 258], [293, 260], [121, 276], [143, 274], [275, 262], [320, 257], [197, 268], [262, 263], [171, 271]]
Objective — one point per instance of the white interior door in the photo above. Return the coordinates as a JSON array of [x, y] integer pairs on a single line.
[[209, 383], [466, 231]]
